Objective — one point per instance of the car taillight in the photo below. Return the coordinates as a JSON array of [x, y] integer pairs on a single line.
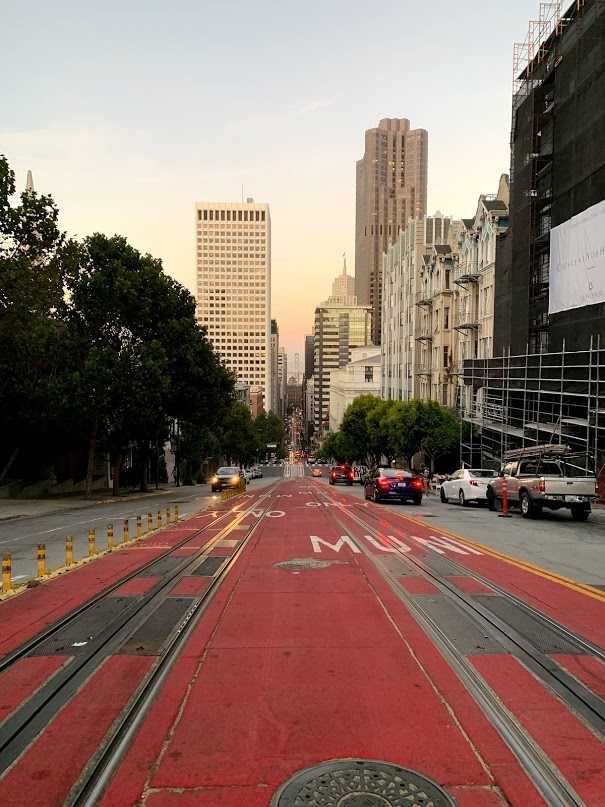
[[541, 486], [474, 483], [350, 474], [417, 483], [384, 483], [333, 475]]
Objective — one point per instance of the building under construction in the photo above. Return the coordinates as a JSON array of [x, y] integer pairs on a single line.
[[548, 382]]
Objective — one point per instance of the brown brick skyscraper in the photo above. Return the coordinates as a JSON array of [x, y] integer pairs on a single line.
[[391, 188]]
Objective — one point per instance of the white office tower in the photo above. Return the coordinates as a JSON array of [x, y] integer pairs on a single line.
[[234, 287]]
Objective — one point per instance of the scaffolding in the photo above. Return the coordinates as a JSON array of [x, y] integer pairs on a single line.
[[514, 402]]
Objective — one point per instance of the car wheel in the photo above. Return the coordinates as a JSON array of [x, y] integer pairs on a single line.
[[442, 496], [417, 500], [491, 500], [462, 498], [528, 509], [375, 496], [331, 482], [580, 513]]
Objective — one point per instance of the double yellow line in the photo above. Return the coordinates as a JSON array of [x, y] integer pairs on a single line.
[[581, 588]]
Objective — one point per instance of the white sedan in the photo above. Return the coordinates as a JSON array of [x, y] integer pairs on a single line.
[[467, 485]]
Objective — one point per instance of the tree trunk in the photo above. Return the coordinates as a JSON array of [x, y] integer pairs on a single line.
[[90, 468], [117, 466], [9, 464], [143, 463]]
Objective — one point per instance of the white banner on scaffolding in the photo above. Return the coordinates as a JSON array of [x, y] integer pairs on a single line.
[[577, 261]]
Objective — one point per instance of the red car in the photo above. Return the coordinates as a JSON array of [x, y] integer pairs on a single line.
[[341, 473]]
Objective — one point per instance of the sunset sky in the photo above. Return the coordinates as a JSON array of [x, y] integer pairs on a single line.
[[129, 113]]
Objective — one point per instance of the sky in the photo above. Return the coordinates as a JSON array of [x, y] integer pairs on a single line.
[[130, 112]]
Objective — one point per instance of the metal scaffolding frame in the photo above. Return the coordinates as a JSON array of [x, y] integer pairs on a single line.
[[512, 402]]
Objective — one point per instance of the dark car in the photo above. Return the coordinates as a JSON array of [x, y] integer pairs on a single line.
[[227, 477], [393, 483], [341, 473]]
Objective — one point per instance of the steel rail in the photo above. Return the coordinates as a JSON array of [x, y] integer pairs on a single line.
[[32, 717], [545, 776], [10, 658], [90, 788], [591, 705]]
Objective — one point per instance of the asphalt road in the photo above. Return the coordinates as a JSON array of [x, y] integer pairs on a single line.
[[21, 536], [555, 542]]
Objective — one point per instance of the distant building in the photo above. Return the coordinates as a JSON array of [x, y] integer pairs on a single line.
[[417, 273], [257, 404], [242, 392], [361, 376], [294, 393], [308, 406], [391, 190], [274, 352], [282, 380], [234, 286], [338, 328], [309, 356]]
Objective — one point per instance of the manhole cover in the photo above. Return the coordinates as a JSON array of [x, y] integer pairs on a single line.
[[360, 783], [298, 564]]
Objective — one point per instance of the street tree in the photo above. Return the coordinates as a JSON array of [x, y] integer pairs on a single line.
[[138, 357], [238, 438], [355, 426], [441, 431], [32, 266]]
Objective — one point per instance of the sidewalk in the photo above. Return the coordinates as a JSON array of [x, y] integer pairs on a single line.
[[33, 508]]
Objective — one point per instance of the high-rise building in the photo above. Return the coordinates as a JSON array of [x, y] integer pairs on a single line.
[[343, 287], [234, 286], [391, 189], [282, 380], [544, 381], [339, 327], [410, 282], [309, 356], [274, 404]]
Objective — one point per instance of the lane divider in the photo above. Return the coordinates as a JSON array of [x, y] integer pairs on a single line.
[[567, 582]]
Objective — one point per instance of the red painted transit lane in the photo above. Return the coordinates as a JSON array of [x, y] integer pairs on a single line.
[[306, 656]]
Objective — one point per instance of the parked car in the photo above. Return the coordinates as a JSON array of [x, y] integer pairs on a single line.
[[259, 471], [393, 484], [316, 472], [227, 477], [341, 473], [544, 476], [467, 485]]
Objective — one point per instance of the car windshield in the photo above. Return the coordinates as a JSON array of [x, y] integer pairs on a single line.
[[393, 472], [481, 473], [227, 471]]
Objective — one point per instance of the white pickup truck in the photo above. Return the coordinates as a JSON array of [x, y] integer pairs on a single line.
[[543, 476]]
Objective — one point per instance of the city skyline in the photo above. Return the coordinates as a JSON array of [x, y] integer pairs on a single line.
[[130, 142]]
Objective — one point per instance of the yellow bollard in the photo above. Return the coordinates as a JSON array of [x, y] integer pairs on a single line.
[[168, 515], [69, 551], [7, 574], [149, 522], [41, 560], [176, 512], [125, 534], [92, 543], [159, 521], [139, 528], [110, 536]]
